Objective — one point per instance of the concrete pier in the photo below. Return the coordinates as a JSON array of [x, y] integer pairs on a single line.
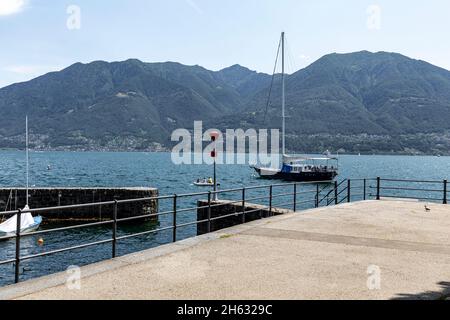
[[365, 250], [14, 198]]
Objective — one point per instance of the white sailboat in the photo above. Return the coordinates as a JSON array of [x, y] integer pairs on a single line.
[[28, 223]]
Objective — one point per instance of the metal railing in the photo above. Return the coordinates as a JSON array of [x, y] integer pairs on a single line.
[[330, 194], [424, 190]]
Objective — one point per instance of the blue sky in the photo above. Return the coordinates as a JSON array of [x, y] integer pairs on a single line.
[[35, 39]]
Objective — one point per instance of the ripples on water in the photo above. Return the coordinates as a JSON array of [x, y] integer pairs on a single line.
[[154, 170]]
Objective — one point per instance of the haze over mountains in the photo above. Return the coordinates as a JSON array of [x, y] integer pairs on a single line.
[[358, 102]]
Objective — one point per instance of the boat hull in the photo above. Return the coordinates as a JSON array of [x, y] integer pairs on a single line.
[[326, 176], [203, 184]]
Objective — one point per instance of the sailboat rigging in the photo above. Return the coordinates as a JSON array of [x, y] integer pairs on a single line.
[[28, 223], [301, 169]]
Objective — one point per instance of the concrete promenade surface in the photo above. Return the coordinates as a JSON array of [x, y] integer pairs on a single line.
[[327, 253]]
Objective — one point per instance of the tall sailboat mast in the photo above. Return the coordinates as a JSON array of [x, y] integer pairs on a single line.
[[294, 168], [283, 96], [28, 223], [26, 143]]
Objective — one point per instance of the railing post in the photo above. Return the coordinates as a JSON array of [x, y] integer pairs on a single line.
[[271, 201], [336, 202], [317, 195], [378, 188], [209, 212], [17, 266], [243, 205], [295, 197], [114, 243], [445, 191], [175, 218], [349, 190], [365, 189]]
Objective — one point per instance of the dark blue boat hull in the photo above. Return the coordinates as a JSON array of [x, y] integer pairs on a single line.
[[324, 176]]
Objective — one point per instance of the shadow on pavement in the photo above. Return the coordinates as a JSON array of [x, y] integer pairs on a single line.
[[429, 295]]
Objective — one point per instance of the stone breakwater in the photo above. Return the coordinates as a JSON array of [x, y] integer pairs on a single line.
[[15, 198], [227, 213]]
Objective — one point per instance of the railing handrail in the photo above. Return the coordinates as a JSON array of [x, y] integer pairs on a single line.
[[114, 221], [333, 190], [125, 201], [411, 180]]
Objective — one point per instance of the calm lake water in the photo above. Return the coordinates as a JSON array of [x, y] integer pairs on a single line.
[[155, 170]]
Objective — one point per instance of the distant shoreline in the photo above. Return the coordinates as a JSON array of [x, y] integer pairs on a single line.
[[168, 151]]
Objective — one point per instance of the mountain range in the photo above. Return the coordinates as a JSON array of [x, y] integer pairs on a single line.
[[358, 102]]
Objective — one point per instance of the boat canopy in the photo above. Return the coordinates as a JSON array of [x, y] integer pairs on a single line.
[[10, 225], [304, 159]]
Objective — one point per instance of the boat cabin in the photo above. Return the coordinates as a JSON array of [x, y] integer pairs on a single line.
[[301, 164]]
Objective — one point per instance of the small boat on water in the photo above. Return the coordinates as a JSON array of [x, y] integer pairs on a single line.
[[28, 223], [298, 169], [204, 183]]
